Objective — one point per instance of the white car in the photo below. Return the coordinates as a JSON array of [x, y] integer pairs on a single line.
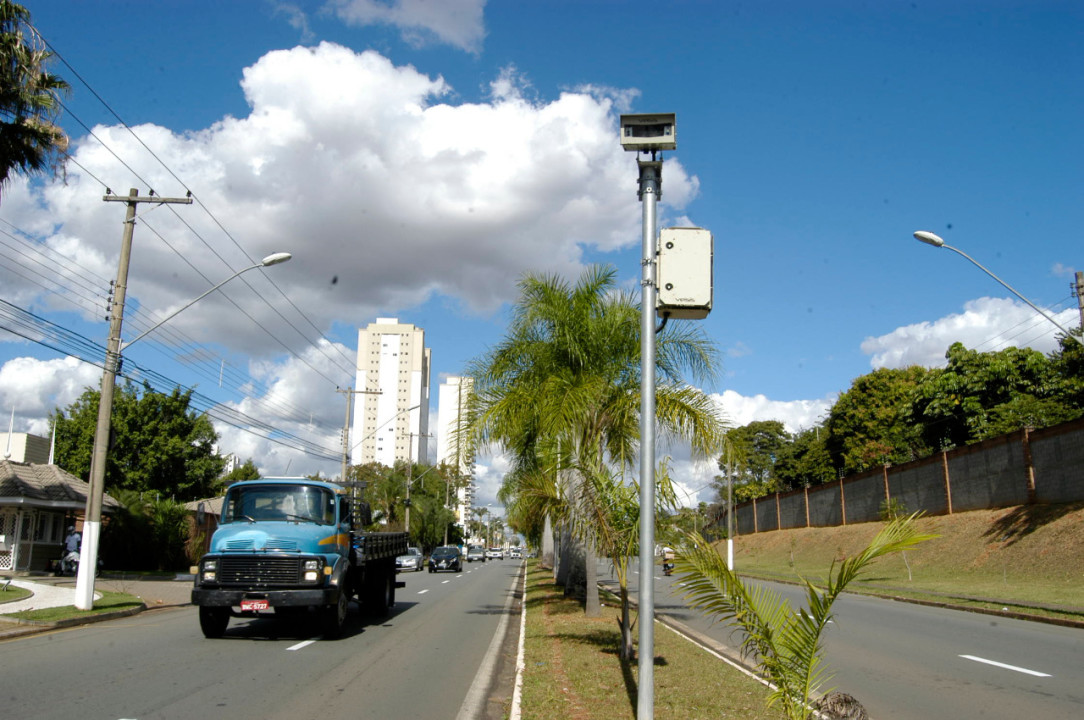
[[515, 553], [412, 561], [494, 553]]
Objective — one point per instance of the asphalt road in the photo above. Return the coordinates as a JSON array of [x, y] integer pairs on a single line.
[[911, 662], [419, 662]]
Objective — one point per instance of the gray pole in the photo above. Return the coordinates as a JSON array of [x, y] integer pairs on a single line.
[[649, 185], [346, 430], [92, 520], [1080, 295]]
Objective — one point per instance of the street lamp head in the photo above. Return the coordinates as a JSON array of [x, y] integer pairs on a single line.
[[275, 259], [929, 238]]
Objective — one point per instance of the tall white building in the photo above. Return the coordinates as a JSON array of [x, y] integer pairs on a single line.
[[391, 404], [453, 396]]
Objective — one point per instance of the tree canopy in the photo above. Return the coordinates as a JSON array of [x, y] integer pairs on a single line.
[[156, 443]]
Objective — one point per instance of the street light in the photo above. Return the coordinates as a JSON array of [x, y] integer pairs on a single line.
[[92, 521], [932, 239]]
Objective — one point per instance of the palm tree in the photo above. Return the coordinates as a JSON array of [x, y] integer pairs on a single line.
[[562, 390], [30, 140], [786, 644]]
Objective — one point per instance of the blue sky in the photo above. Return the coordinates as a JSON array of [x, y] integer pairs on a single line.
[[417, 157]]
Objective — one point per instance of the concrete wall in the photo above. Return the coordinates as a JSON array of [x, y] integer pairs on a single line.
[[1027, 466]]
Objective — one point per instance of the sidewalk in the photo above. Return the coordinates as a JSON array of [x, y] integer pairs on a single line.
[[49, 592]]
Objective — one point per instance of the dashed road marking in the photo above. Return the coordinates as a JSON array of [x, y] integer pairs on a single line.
[[1006, 667]]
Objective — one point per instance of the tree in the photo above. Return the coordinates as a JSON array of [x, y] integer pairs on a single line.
[[157, 445], [561, 391], [872, 423], [752, 451], [960, 404], [245, 471], [30, 139], [805, 460], [787, 645]]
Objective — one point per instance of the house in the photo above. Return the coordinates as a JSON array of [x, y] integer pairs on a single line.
[[37, 504]]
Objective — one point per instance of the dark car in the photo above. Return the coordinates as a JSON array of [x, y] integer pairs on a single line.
[[445, 557]]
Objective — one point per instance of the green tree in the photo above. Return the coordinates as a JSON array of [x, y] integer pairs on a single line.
[[871, 423], [960, 404], [30, 139], [787, 645], [157, 445], [561, 391], [751, 453], [245, 471], [805, 460]]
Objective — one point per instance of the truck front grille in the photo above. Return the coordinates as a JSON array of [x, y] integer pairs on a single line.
[[259, 570]]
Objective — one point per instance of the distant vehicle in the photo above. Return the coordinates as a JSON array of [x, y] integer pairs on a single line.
[[476, 552], [445, 558], [495, 553], [412, 561], [515, 553]]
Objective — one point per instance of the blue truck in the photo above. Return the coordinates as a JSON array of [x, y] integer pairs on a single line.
[[290, 546]]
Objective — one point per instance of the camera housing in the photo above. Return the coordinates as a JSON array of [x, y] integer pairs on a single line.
[[649, 131]]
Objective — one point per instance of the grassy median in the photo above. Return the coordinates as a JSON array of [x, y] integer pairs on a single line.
[[573, 671]]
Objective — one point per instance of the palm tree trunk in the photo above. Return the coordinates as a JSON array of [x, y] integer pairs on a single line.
[[592, 605], [547, 543]]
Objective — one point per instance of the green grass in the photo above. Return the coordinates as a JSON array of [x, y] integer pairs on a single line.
[[109, 602], [1027, 558], [11, 593], [573, 671]]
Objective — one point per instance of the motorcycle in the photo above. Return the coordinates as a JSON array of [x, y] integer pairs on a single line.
[[68, 564], [668, 568]]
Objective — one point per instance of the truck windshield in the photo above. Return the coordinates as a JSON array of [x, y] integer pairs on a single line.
[[282, 503]]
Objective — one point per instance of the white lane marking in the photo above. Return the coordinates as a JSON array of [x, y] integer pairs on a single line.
[[1006, 667], [423, 592], [301, 645], [445, 582]]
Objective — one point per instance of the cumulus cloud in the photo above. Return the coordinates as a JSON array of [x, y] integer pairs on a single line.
[[386, 193], [458, 23], [34, 389], [986, 324]]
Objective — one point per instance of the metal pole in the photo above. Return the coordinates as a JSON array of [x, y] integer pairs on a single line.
[[1079, 288], [649, 186]]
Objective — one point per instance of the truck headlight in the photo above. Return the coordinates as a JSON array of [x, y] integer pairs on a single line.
[[311, 570], [208, 572]]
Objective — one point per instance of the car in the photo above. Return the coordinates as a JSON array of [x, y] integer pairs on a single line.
[[445, 558], [515, 553], [495, 553], [413, 560], [476, 552]]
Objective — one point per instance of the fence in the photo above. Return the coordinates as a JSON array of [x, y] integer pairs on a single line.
[[1025, 467]]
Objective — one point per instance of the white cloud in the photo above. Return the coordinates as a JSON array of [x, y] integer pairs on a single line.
[[458, 23], [385, 194], [35, 388], [987, 324], [794, 414]]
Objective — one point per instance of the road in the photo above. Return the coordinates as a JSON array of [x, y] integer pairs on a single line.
[[420, 661], [911, 662]]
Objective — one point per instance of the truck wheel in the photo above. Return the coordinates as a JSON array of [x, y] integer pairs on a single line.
[[381, 595], [335, 616], [213, 621]]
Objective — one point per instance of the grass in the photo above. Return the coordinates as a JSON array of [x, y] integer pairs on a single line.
[[573, 671], [1025, 557], [108, 602], [11, 593]]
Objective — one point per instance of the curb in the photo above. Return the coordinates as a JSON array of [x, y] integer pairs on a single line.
[[23, 628]]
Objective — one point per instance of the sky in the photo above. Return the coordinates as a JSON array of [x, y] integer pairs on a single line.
[[417, 157]]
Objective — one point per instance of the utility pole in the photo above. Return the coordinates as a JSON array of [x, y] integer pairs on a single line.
[[1078, 290], [410, 473], [92, 521], [350, 393]]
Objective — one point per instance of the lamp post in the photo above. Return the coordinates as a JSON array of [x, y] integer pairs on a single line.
[[932, 239], [88, 551]]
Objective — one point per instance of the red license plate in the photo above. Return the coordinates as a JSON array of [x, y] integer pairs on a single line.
[[255, 605]]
